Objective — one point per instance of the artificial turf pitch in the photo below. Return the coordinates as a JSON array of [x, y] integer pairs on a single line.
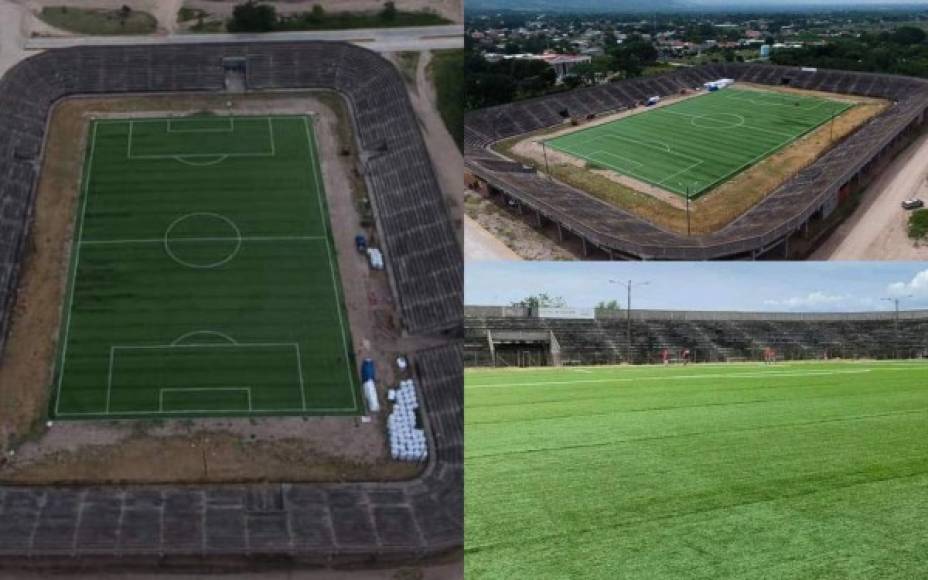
[[695, 144], [203, 275], [815, 470]]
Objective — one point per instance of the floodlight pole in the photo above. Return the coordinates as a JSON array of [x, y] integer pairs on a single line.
[[628, 314], [895, 302], [545, 151], [687, 209]]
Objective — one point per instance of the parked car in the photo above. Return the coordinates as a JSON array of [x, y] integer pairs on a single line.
[[360, 242], [912, 204]]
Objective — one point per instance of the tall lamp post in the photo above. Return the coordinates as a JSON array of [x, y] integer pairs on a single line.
[[895, 302], [628, 312]]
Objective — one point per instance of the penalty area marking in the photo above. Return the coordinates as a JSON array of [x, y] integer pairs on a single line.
[[185, 157], [228, 129], [115, 348]]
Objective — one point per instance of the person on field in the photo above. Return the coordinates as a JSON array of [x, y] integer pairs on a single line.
[[665, 356], [685, 355]]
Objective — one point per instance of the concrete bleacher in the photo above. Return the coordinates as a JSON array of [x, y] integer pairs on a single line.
[[766, 226], [146, 525], [710, 337]]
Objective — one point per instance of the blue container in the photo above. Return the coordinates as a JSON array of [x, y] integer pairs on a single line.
[[360, 242], [367, 370]]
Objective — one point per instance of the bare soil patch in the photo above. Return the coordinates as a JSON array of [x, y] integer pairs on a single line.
[[527, 242], [715, 209], [199, 450]]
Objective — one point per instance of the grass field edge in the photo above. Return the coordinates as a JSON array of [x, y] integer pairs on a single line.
[[74, 260]]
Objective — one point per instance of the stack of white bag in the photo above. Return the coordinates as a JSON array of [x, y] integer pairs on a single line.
[[406, 442]]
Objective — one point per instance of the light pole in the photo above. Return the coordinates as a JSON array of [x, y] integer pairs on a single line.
[[628, 312], [545, 151], [895, 302], [687, 209]]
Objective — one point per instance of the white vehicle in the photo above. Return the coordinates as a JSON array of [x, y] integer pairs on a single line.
[[376, 258]]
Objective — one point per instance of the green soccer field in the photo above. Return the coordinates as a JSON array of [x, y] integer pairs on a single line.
[[203, 275], [805, 470], [695, 144]]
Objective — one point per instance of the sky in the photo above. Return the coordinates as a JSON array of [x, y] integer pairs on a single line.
[[744, 286]]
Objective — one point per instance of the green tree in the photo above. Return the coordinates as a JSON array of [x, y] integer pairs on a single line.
[[542, 300], [610, 306], [253, 17], [908, 35], [389, 11]]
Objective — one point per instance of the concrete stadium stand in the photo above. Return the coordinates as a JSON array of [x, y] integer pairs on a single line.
[[764, 230], [234, 525]]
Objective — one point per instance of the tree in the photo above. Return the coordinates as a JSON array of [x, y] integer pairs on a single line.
[[253, 17], [124, 12], [542, 300], [389, 11], [908, 35], [611, 306], [317, 14]]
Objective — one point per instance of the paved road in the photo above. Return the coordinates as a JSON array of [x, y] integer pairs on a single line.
[[378, 39]]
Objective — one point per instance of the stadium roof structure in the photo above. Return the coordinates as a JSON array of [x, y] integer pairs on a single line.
[[762, 230], [314, 523]]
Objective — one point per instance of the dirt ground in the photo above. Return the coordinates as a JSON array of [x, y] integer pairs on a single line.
[[715, 209], [199, 450], [877, 229], [524, 241], [165, 11], [481, 245]]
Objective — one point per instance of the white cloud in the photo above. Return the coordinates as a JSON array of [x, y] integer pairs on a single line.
[[811, 300], [917, 286]]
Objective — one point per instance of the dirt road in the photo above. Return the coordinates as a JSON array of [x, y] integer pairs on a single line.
[[877, 230]]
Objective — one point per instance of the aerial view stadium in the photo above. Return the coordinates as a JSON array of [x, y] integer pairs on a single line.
[[722, 160], [786, 441], [231, 302]]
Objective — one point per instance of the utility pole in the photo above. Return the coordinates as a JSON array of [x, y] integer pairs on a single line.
[[628, 313], [545, 151], [687, 209], [895, 302]]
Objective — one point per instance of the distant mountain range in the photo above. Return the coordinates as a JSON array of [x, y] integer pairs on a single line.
[[651, 6]]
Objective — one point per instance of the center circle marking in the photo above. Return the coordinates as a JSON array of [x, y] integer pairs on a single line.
[[198, 265]]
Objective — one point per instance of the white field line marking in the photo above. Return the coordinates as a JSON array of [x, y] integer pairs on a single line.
[[607, 153], [677, 377], [129, 143], [114, 348], [77, 260], [229, 129], [681, 172], [186, 390], [335, 284], [299, 368], [208, 332], [205, 239], [178, 156], [201, 164], [761, 103]]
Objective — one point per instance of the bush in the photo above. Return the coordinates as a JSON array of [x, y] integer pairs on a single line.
[[918, 224], [253, 17]]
